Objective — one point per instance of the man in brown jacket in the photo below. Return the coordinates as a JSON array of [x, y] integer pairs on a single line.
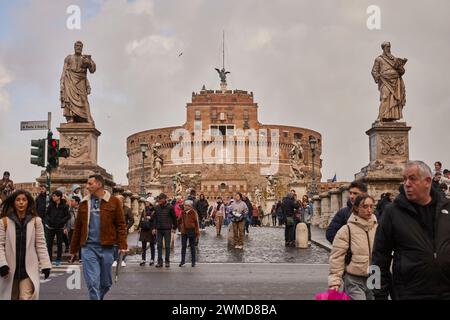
[[100, 225]]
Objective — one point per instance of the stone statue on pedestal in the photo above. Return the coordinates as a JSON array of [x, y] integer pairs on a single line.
[[296, 161], [75, 87], [270, 188], [387, 72], [157, 161], [178, 184], [258, 196]]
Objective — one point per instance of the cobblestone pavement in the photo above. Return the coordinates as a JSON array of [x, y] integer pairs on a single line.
[[262, 245]]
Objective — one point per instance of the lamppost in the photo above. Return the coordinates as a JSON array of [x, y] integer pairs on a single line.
[[313, 146], [144, 148]]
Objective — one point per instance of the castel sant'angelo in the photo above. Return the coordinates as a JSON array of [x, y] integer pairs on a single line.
[[223, 148]]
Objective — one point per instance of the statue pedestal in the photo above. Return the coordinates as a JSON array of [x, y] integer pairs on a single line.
[[267, 216], [81, 139], [155, 188], [389, 152], [300, 189]]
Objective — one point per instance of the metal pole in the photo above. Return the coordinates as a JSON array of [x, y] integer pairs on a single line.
[[313, 185], [142, 176]]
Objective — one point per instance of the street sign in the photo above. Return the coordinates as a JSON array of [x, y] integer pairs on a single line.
[[33, 125]]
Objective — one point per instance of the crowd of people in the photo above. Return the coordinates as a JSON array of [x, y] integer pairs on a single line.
[[406, 237]]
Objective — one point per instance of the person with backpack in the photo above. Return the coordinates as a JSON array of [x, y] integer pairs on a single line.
[[289, 207], [22, 248], [351, 254]]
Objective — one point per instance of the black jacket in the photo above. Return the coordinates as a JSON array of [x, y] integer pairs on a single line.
[[339, 219], [202, 208], [165, 218], [421, 267], [289, 205], [56, 217], [41, 204], [21, 245]]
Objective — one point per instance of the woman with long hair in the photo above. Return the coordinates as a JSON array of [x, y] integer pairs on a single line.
[[351, 255], [22, 248]]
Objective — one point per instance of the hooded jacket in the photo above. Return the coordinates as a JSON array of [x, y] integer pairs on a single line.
[[362, 236], [421, 266]]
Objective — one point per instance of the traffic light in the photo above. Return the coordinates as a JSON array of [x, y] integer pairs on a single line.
[[38, 150], [52, 153]]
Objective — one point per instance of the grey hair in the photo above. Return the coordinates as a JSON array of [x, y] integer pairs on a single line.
[[424, 169]]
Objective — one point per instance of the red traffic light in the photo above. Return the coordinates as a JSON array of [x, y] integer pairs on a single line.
[[54, 143]]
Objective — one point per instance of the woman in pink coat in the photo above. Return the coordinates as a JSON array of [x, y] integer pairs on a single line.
[[23, 250]]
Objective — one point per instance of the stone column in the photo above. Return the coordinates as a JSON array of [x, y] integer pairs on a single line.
[[135, 207], [334, 204], [316, 211], [324, 209], [344, 196]]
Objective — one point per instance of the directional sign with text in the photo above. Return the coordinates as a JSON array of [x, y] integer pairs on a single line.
[[34, 125]]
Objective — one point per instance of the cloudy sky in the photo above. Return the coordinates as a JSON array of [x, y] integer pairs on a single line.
[[308, 63]]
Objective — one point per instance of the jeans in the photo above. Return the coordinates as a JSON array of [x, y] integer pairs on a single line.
[[59, 241], [160, 235], [144, 250], [184, 239], [356, 287], [219, 221], [97, 269], [274, 221], [238, 233]]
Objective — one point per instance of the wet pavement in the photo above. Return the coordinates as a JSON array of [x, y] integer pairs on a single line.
[[262, 245]]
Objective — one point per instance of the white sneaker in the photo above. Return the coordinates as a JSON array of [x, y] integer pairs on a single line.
[[123, 264], [114, 264]]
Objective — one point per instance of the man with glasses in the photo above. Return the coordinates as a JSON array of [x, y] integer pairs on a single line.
[[415, 233], [100, 225]]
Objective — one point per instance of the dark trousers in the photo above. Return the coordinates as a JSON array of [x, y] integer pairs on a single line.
[[144, 250], [160, 235], [274, 220], [184, 239], [255, 221], [289, 233], [51, 233], [308, 225], [247, 224]]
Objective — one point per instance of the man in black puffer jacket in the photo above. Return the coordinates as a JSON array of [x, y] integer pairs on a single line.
[[165, 224], [41, 201], [416, 228]]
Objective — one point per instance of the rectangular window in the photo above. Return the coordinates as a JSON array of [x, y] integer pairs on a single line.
[[198, 115], [286, 134], [197, 125], [214, 114], [222, 116], [245, 114]]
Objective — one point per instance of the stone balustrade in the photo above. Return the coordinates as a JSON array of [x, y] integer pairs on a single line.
[[327, 204]]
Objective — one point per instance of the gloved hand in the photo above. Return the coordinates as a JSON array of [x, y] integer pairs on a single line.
[[4, 271], [46, 273]]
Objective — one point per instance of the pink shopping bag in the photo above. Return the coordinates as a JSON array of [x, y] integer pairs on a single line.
[[332, 295]]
